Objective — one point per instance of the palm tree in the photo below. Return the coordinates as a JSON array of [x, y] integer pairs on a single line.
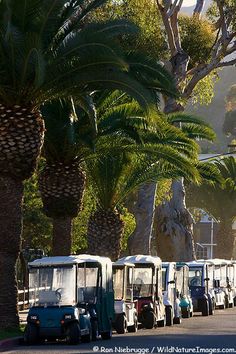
[[192, 127], [46, 53], [114, 175], [219, 200], [62, 179]]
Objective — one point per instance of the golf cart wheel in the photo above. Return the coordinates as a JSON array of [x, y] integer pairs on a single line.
[[205, 308], [185, 311], [161, 323], [87, 338], [226, 301], [121, 324], [222, 307], [95, 332], [177, 320], [149, 319], [235, 301], [73, 333], [169, 316], [31, 335], [211, 307], [134, 327], [106, 335]]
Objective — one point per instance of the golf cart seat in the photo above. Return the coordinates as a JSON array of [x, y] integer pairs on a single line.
[[48, 296]]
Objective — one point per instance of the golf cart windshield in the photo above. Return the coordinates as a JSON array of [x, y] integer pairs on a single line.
[[87, 284], [164, 271], [195, 276], [52, 286], [118, 283], [143, 282], [182, 280]]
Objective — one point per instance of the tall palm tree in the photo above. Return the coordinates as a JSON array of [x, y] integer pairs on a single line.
[[70, 138], [194, 128], [114, 176], [219, 200], [62, 181], [46, 52]]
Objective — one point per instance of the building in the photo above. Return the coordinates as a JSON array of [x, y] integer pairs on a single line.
[[204, 232]]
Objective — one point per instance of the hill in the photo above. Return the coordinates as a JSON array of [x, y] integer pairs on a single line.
[[214, 113]]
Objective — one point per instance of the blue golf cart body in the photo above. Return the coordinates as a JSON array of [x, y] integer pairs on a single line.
[[71, 298], [201, 285]]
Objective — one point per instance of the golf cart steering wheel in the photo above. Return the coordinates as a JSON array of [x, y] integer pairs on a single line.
[[58, 293]]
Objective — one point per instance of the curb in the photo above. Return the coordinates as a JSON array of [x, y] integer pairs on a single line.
[[9, 342]]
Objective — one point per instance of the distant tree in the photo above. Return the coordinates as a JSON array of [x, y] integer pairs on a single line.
[[229, 125], [37, 227], [231, 99], [189, 74], [219, 200]]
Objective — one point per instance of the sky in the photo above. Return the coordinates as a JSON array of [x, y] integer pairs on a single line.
[[187, 3]]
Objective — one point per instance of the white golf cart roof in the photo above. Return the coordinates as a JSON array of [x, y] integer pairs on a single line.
[[199, 263], [166, 264], [73, 259], [141, 259], [121, 263], [218, 261]]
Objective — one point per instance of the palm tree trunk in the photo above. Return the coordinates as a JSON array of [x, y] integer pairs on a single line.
[[105, 231], [140, 240], [225, 239], [11, 196], [174, 232], [62, 236], [175, 223]]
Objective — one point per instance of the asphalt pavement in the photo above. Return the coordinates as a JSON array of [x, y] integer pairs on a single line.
[[213, 334]]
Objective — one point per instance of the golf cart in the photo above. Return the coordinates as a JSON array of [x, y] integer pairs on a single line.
[[230, 294], [223, 292], [170, 293], [147, 289], [232, 279], [201, 286], [71, 298], [126, 317], [183, 292]]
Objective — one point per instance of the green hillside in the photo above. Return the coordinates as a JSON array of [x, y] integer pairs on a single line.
[[214, 113]]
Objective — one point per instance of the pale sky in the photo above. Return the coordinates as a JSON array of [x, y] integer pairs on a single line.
[[187, 3]]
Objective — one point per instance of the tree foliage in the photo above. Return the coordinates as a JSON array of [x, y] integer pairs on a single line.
[[218, 199], [197, 36], [144, 14], [229, 126], [37, 228]]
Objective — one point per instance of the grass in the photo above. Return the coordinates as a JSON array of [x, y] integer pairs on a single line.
[[12, 332]]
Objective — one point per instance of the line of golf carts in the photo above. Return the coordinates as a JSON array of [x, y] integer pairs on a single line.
[[80, 298]]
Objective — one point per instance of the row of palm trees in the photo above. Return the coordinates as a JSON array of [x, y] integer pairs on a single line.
[[48, 52], [129, 150], [99, 105]]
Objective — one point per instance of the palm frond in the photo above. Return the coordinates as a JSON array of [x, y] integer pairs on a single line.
[[193, 131], [152, 74], [209, 173], [119, 168]]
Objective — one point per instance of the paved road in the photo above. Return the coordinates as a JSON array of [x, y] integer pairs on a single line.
[[195, 335]]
